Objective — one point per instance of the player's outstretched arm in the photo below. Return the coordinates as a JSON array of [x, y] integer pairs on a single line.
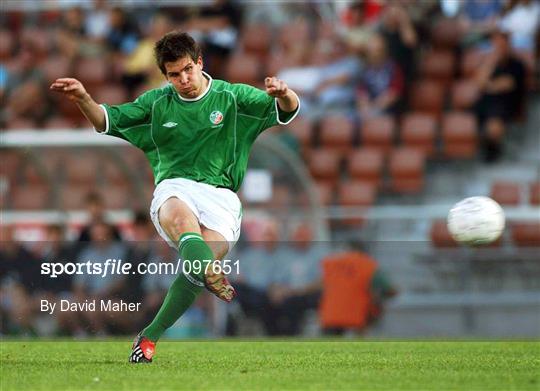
[[75, 91], [287, 99]]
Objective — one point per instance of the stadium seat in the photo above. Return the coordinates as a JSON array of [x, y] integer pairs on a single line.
[[406, 166], [440, 236], [20, 124], [302, 129], [506, 193], [256, 39], [470, 61], [337, 133], [418, 131], [7, 43], [464, 94], [366, 164], [534, 189], [243, 68], [294, 33], [118, 196], [31, 197], [324, 164], [427, 96], [355, 194], [111, 94], [12, 160], [438, 65], [526, 234], [73, 196], [92, 72], [82, 167], [445, 33], [55, 67], [325, 192], [459, 135], [59, 123], [378, 133]]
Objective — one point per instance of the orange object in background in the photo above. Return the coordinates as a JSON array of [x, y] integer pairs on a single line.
[[346, 299]]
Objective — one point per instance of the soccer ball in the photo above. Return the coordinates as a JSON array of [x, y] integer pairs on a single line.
[[476, 221]]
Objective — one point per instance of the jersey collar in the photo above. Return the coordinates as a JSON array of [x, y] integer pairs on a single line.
[[209, 78]]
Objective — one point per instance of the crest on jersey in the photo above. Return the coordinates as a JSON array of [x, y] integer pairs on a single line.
[[216, 117]]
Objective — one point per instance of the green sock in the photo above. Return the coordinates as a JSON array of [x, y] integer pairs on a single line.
[[185, 289]]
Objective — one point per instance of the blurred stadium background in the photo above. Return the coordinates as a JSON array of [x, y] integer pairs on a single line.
[[344, 208]]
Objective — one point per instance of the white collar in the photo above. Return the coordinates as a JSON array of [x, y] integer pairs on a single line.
[[209, 78]]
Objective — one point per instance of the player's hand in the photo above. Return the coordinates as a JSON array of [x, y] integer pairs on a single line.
[[71, 88], [275, 88]]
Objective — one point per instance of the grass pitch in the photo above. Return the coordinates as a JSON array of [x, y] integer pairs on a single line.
[[289, 364]]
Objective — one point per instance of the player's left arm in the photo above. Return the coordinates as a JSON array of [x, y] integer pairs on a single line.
[[287, 99]]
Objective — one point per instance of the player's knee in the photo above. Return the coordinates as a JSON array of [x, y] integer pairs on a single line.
[[176, 225]]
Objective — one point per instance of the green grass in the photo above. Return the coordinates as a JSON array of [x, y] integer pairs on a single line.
[[289, 364]]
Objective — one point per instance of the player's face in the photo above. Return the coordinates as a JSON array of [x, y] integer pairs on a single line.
[[186, 76]]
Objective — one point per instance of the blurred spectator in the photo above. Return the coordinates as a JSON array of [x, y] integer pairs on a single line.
[[216, 27], [259, 265], [95, 207], [97, 22], [124, 34], [139, 68], [522, 21], [19, 271], [478, 18], [25, 89], [99, 287], [354, 291], [381, 85], [298, 285], [355, 29], [339, 76], [501, 78], [401, 39], [141, 250]]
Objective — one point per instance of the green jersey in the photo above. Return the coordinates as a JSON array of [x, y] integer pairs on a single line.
[[205, 139]]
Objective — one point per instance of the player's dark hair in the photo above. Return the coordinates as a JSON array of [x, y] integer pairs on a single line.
[[173, 46]]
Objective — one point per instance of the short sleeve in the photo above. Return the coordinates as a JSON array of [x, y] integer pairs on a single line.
[[119, 118], [256, 103]]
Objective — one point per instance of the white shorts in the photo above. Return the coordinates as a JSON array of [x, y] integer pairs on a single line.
[[218, 209]]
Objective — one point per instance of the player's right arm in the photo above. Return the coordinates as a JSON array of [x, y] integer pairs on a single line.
[[74, 90]]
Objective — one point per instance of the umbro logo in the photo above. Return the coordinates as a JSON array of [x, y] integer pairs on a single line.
[[170, 124]]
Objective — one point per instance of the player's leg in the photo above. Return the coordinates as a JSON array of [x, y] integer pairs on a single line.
[[215, 279]]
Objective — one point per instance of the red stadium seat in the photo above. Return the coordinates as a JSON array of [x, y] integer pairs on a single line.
[[355, 194], [73, 196], [535, 193], [427, 96], [111, 94], [366, 164], [57, 123], [256, 39], [445, 33], [20, 124], [92, 72], [438, 65], [460, 135], [7, 42], [337, 133], [325, 192], [378, 133], [464, 94], [506, 193], [526, 234], [55, 67], [31, 197], [440, 236], [243, 68], [302, 129], [418, 131], [324, 164], [406, 167], [471, 61], [82, 167]]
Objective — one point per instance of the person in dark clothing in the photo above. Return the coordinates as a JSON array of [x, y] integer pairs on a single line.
[[95, 206], [501, 79]]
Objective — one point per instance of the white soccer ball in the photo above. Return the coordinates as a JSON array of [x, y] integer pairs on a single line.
[[476, 220]]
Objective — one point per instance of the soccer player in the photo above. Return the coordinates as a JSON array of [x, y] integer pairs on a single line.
[[197, 134]]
